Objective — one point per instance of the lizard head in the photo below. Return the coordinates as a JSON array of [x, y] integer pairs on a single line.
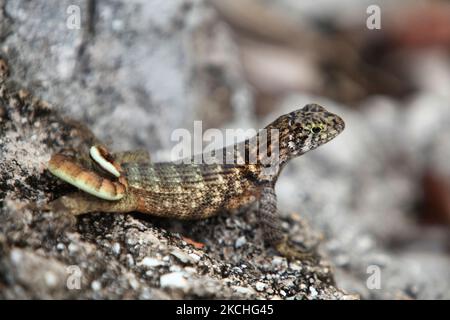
[[306, 129]]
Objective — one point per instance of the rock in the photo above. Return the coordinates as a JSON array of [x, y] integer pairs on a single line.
[[313, 292], [116, 248], [195, 257], [182, 256], [240, 242], [278, 261], [96, 285], [244, 290], [173, 280], [260, 286], [149, 262]]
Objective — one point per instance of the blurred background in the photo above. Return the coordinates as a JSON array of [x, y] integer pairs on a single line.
[[379, 194]]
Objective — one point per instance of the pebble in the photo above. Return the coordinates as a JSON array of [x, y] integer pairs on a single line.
[[195, 257], [260, 286], [173, 280], [243, 290], [50, 279], [73, 248], [132, 241], [96, 285], [288, 283], [134, 283], [60, 246], [150, 262], [182, 256], [240, 242], [313, 292], [16, 256], [116, 248], [175, 268], [295, 266], [190, 270], [236, 270], [148, 237], [277, 261], [149, 273], [130, 260]]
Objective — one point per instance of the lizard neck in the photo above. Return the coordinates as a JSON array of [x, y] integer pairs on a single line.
[[265, 154], [268, 150]]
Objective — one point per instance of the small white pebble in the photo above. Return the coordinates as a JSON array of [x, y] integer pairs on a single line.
[[313, 291], [173, 280], [150, 262], [240, 242], [16, 256], [73, 248], [195, 257], [130, 260], [131, 241], [276, 261], [182, 256], [175, 268], [295, 266], [283, 293], [243, 290], [50, 279], [116, 248], [96, 285], [260, 286], [134, 283], [149, 273], [190, 270], [60, 246]]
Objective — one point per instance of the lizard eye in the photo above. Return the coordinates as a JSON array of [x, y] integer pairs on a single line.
[[317, 129]]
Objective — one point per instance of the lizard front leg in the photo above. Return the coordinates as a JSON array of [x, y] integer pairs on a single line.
[[273, 232]]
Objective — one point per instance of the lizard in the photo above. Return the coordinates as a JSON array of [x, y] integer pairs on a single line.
[[131, 182]]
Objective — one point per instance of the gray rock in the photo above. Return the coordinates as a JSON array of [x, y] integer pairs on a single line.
[[240, 242], [182, 256], [174, 280]]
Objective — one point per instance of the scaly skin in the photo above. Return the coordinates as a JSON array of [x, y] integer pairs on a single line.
[[199, 191]]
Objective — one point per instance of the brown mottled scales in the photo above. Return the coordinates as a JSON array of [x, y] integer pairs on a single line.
[[198, 191]]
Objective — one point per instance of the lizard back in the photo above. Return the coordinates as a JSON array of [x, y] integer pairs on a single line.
[[188, 191]]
